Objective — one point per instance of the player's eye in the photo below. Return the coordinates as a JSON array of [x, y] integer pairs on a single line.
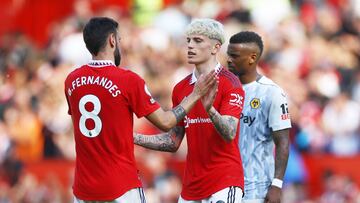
[[232, 55]]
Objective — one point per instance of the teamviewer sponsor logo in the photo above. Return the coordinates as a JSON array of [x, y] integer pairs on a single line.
[[236, 100], [188, 121]]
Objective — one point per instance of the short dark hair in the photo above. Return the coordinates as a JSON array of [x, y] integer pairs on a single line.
[[96, 31], [247, 37]]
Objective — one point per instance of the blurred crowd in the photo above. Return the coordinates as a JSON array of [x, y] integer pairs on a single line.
[[312, 50]]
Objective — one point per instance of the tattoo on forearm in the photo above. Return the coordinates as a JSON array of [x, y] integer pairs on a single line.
[[225, 126], [179, 113], [168, 142], [281, 154]]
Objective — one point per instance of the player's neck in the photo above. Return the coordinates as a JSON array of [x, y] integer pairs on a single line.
[[248, 78], [104, 56], [205, 67]]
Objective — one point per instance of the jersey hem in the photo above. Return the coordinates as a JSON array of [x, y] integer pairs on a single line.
[[207, 195], [107, 197]]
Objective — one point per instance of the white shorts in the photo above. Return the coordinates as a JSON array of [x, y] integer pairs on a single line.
[[228, 195], [135, 195], [253, 200]]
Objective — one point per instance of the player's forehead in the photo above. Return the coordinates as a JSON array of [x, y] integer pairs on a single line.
[[203, 38], [240, 47], [235, 47], [198, 36]]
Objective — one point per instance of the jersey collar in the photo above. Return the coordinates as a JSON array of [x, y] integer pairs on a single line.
[[249, 84], [258, 78], [194, 79], [100, 63]]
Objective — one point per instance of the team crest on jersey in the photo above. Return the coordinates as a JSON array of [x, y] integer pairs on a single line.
[[255, 103]]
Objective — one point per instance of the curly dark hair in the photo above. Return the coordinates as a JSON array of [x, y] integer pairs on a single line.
[[247, 37]]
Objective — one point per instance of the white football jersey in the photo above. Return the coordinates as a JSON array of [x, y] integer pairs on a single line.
[[265, 110]]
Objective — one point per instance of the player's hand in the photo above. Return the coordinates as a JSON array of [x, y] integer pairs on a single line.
[[208, 99], [205, 83], [273, 195]]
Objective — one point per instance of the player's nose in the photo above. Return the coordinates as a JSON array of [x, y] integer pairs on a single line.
[[190, 46], [229, 61]]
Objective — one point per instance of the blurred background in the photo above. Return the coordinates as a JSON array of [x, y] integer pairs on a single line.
[[312, 50]]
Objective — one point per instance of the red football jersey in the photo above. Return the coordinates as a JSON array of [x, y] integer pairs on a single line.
[[102, 99], [212, 163]]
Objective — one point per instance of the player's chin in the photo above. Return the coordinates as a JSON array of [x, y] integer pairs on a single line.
[[192, 61], [234, 71], [231, 69]]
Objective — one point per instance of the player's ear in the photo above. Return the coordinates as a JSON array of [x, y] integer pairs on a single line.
[[112, 40], [253, 58], [216, 49]]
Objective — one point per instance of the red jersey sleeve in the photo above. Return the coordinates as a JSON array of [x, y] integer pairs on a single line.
[[176, 101], [141, 100], [69, 107], [233, 100]]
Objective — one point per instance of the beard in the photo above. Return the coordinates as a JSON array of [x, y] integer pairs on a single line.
[[234, 71], [117, 55], [237, 73]]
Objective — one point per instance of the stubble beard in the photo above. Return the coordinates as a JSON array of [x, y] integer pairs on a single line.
[[117, 55]]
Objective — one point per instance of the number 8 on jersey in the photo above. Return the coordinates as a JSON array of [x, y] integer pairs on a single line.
[[93, 115]]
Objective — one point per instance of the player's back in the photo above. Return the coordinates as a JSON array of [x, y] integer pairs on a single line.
[[102, 99]]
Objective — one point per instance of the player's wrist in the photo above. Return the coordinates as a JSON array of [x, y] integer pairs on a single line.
[[277, 183], [179, 112], [211, 111], [195, 95]]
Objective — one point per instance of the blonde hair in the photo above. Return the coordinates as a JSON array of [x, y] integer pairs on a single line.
[[207, 27]]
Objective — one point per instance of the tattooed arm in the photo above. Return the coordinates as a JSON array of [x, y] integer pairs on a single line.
[[167, 142], [225, 125], [165, 120]]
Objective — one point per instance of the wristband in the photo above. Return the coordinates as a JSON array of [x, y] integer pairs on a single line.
[[277, 183], [179, 113]]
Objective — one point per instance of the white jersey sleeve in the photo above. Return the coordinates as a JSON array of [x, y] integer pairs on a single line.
[[279, 117]]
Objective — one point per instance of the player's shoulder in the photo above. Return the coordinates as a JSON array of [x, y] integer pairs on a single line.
[[75, 72], [184, 82], [269, 85], [127, 72], [126, 75], [229, 78]]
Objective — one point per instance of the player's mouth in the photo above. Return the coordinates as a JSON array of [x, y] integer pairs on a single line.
[[231, 68], [190, 53]]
